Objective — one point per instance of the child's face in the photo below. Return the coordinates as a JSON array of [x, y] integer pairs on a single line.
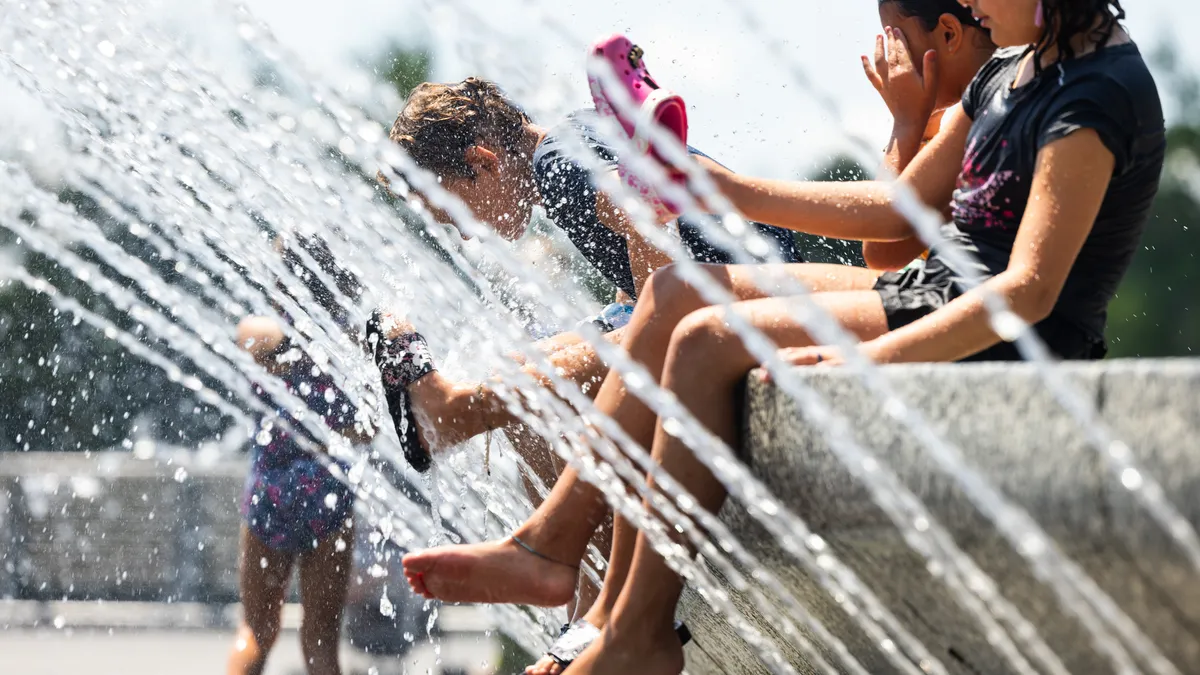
[[920, 41], [497, 195], [1011, 22]]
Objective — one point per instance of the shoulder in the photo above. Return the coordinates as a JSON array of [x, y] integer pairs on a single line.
[[1003, 61], [578, 126], [1116, 79], [999, 71], [1121, 69]]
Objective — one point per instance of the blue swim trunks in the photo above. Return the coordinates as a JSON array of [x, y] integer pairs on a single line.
[[616, 315], [291, 500]]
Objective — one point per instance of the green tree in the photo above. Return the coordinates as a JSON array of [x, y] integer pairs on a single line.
[[824, 249], [403, 67], [1156, 312]]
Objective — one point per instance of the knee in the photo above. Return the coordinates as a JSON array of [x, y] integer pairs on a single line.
[[701, 334], [665, 283], [264, 631], [319, 629], [670, 295]]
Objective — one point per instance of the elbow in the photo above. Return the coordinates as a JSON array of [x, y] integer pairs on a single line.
[[881, 261], [1034, 298], [893, 228]]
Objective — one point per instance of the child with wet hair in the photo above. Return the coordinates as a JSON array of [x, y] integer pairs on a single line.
[[489, 153]]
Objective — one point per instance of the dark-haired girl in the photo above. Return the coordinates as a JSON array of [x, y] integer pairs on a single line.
[[1050, 168], [929, 52]]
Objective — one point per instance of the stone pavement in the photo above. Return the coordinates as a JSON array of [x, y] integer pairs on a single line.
[[152, 652], [117, 638]]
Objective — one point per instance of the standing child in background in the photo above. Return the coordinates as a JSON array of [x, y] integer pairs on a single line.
[[297, 513]]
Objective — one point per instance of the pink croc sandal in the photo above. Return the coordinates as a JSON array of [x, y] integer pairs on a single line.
[[655, 106]]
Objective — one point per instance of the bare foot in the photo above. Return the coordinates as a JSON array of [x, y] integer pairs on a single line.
[[641, 650], [491, 573]]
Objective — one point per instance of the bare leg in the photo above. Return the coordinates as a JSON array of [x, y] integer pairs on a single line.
[[324, 576], [561, 527], [639, 634], [263, 577]]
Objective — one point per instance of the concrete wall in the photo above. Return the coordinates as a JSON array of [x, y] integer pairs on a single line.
[[1010, 428], [110, 526]]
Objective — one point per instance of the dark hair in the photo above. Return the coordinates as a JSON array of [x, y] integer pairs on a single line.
[[929, 12], [440, 121], [1064, 19]]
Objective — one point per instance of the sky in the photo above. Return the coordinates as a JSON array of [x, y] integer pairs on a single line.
[[746, 105]]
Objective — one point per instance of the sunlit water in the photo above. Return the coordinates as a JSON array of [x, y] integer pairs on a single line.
[[188, 154]]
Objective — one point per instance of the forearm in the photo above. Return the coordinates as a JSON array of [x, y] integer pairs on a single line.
[[644, 259], [902, 148], [859, 210], [964, 326]]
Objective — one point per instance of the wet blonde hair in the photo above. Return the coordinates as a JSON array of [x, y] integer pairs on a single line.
[[440, 122]]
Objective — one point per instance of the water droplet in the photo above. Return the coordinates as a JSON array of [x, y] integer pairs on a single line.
[[1119, 451], [673, 427], [370, 132], [1008, 326], [1131, 479], [386, 608]]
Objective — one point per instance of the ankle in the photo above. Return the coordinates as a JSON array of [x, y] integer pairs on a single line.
[[556, 547]]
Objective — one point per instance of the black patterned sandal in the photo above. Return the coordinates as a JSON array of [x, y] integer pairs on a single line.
[[402, 360], [577, 637]]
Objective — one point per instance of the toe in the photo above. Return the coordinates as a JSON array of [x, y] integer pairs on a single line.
[[417, 583], [419, 561]]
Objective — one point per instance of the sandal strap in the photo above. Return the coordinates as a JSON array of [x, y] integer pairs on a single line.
[[578, 637], [532, 550], [403, 359]]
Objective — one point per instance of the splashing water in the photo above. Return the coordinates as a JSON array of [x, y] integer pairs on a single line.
[[192, 160]]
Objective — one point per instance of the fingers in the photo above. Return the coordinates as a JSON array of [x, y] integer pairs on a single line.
[[930, 72], [898, 47], [872, 75], [881, 59], [795, 356]]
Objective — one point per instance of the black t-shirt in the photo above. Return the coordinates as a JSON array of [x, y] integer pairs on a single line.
[[1110, 91], [569, 197]]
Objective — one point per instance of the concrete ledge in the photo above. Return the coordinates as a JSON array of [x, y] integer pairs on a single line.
[[1011, 429]]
